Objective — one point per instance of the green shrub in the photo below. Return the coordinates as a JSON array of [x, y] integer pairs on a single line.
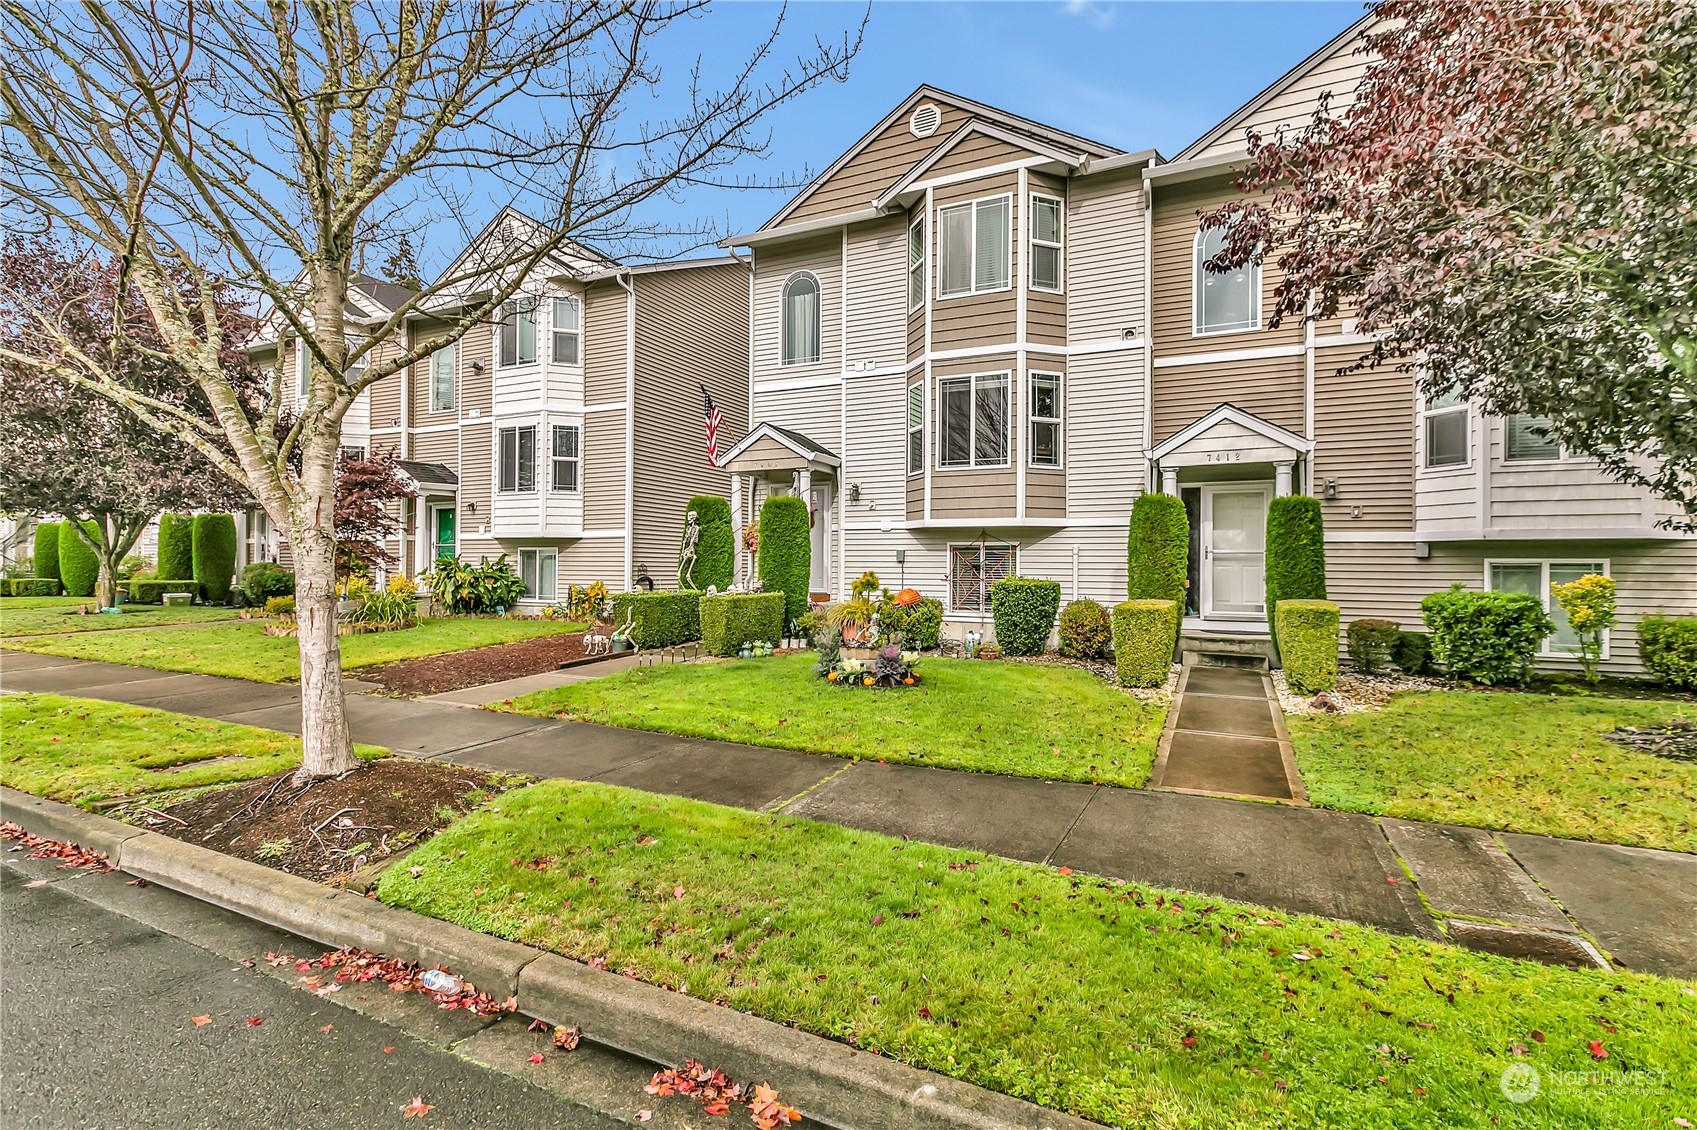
[[79, 568], [920, 625], [152, 590], [378, 607], [176, 545], [1372, 644], [1309, 629], [1087, 631], [716, 549], [133, 567], [1296, 553], [262, 580], [215, 555], [33, 586], [1589, 602], [659, 619], [1023, 610], [46, 563], [786, 553], [728, 622], [1413, 653], [1144, 631], [1486, 637], [1157, 549], [1667, 646], [280, 606]]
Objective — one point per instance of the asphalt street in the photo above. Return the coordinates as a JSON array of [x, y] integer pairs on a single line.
[[97, 1033]]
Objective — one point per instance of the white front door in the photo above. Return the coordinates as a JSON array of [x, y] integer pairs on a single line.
[[819, 518], [1234, 543]]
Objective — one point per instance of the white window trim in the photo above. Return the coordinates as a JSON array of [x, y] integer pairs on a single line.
[[909, 428], [1544, 649], [453, 350], [1562, 455], [1196, 328], [553, 330], [540, 552], [535, 479], [974, 291], [576, 460], [923, 266], [301, 369], [1059, 244], [784, 314], [349, 344], [1032, 420], [949, 557], [972, 424], [535, 329], [1463, 406]]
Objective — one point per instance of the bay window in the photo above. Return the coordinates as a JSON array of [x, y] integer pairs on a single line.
[[915, 429], [973, 256], [972, 420], [567, 457], [568, 331], [517, 452], [518, 332]]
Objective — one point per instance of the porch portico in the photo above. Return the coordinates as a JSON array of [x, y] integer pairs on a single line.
[[772, 460]]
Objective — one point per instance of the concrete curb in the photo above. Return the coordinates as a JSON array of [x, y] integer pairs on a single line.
[[829, 1081]]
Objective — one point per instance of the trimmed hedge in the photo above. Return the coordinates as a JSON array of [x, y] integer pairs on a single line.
[[728, 622], [1486, 637], [1023, 610], [79, 568], [659, 619], [786, 554], [175, 556], [1087, 631], [32, 586], [1413, 653], [46, 563], [1296, 553], [1372, 644], [1309, 629], [1667, 645], [1157, 549], [1144, 631], [921, 625], [261, 581], [215, 555], [151, 590], [716, 550]]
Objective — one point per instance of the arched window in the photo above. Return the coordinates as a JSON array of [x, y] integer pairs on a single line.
[[801, 319], [1225, 303]]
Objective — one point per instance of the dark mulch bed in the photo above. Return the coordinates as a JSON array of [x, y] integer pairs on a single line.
[[1676, 741], [333, 827], [455, 670]]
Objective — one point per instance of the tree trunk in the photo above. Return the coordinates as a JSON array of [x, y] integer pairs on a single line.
[[106, 588], [326, 742]]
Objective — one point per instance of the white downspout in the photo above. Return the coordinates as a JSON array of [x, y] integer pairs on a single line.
[[625, 280]]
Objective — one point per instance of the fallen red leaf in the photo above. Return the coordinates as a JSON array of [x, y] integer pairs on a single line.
[[202, 1021], [1537, 1037], [1066, 871], [418, 1108], [644, 1115], [536, 1059], [566, 1038], [1189, 1041], [327, 1028], [678, 892], [717, 1106], [255, 1021], [1595, 1047], [388, 1049]]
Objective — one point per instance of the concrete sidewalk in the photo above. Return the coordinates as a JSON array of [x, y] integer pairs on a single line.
[[1531, 895]]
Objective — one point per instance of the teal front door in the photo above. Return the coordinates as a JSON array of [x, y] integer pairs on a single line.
[[445, 544]]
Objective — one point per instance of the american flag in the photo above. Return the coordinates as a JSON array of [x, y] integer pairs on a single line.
[[715, 420]]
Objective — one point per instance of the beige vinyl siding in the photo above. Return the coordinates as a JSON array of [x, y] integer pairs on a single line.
[[1101, 561], [604, 471], [1045, 493], [1104, 257], [476, 469], [816, 413], [1103, 396], [874, 451], [604, 324], [916, 334], [385, 395], [974, 492], [1269, 387], [976, 151], [877, 293], [1045, 311], [476, 393], [1560, 494], [1294, 106], [476, 345], [437, 447], [823, 257], [588, 560], [876, 167], [976, 319], [691, 326], [1363, 439]]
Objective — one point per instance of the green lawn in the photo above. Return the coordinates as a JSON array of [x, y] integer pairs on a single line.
[[36, 615], [1518, 762], [246, 652], [1027, 720], [1119, 1003], [82, 750]]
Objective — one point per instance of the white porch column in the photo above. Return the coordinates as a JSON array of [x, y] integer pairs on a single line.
[[1169, 481], [1281, 478], [804, 483], [736, 526], [422, 535]]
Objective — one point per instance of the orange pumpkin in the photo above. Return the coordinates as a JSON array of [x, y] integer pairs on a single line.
[[908, 681], [831, 677], [867, 681], [907, 598]]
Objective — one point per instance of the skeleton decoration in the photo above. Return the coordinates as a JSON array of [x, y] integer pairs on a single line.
[[686, 556], [626, 632]]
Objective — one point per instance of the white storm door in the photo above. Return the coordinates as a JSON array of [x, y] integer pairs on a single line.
[[1234, 543]]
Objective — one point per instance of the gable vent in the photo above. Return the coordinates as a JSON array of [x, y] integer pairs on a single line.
[[925, 120]]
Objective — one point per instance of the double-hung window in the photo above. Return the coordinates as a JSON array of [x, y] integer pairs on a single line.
[[1527, 439], [801, 319], [972, 420], [354, 368], [539, 570], [1046, 245], [916, 265], [1444, 427], [974, 254], [973, 569], [442, 379], [567, 459], [1534, 578], [1045, 419], [915, 429], [518, 459], [1228, 302], [518, 332], [568, 331]]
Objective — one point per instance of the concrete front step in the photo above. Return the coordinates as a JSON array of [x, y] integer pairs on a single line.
[[1202, 648]]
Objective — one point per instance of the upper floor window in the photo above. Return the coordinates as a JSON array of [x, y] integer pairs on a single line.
[[1229, 302], [568, 331], [353, 368], [1527, 438], [1045, 243], [517, 459], [442, 379], [973, 569], [1045, 419], [303, 366], [915, 429], [1444, 427], [518, 332], [916, 265], [567, 458], [972, 420], [973, 247], [801, 319]]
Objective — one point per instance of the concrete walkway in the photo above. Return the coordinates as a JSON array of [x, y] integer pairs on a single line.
[[1225, 736], [1554, 899]]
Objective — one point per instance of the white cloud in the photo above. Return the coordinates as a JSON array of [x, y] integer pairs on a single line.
[[1093, 12]]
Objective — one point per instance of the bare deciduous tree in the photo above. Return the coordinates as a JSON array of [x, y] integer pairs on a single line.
[[273, 144]]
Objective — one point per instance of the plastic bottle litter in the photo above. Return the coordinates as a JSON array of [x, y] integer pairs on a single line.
[[439, 981]]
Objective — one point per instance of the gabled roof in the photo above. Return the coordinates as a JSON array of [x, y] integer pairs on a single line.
[[1233, 414], [509, 225], [1071, 158], [1032, 129], [803, 447], [428, 474]]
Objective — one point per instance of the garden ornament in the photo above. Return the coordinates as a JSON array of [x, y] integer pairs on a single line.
[[626, 632], [686, 556]]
